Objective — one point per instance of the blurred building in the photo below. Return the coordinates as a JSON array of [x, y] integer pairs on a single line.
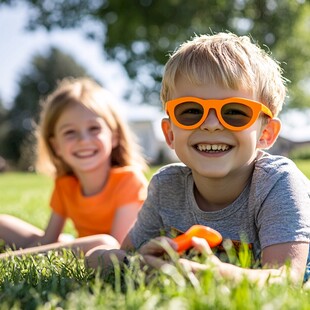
[[145, 121], [284, 146]]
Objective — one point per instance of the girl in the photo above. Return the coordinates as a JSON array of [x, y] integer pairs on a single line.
[[99, 182]]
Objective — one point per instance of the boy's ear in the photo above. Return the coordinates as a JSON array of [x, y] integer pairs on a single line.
[[168, 133], [269, 134]]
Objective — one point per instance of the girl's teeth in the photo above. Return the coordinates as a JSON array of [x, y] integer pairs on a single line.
[[85, 153]]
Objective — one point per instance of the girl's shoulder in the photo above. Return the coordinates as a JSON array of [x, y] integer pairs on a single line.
[[127, 173], [125, 170], [66, 180]]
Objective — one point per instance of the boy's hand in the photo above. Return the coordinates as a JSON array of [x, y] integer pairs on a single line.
[[154, 250], [158, 246], [201, 246]]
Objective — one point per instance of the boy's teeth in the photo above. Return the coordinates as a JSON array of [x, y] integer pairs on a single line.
[[212, 147]]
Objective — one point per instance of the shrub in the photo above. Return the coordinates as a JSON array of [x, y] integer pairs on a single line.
[[302, 152]]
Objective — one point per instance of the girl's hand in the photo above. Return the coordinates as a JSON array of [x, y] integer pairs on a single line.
[[101, 257]]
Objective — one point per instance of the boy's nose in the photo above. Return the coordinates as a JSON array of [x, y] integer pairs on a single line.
[[211, 123]]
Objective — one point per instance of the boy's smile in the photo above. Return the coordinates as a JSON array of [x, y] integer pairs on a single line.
[[212, 148]]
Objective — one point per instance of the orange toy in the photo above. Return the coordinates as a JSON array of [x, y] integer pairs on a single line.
[[212, 236]]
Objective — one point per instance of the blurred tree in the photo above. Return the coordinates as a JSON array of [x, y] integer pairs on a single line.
[[3, 111], [140, 33], [40, 79], [3, 125]]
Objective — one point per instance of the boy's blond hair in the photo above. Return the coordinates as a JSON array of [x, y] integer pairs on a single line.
[[85, 92], [229, 61]]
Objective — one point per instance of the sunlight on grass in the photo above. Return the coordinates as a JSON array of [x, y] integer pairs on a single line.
[[304, 166], [60, 280], [27, 196]]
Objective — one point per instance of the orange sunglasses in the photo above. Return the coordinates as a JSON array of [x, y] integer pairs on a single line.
[[233, 113]]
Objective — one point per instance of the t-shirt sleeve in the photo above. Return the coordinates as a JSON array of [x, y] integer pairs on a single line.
[[285, 212], [131, 189], [149, 220]]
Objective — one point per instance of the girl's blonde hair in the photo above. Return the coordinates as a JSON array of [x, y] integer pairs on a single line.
[[92, 96], [229, 61]]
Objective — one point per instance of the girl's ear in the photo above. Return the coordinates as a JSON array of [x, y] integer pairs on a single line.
[[269, 134], [168, 133], [115, 139], [55, 147]]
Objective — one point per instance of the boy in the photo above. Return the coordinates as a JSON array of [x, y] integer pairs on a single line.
[[222, 95]]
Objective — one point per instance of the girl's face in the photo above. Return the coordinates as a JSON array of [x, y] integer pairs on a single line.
[[211, 150], [83, 140]]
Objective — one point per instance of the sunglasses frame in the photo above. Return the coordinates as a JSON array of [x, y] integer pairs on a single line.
[[217, 105]]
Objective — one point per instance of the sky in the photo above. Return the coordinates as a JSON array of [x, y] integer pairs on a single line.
[[17, 48]]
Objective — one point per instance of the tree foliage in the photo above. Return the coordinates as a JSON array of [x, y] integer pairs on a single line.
[[3, 111], [41, 78], [141, 33]]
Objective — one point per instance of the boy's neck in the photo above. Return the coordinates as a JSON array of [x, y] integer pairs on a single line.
[[217, 194]]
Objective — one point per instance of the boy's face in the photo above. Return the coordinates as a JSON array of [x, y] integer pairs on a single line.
[[211, 150]]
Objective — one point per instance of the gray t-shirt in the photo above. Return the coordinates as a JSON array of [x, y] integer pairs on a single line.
[[273, 208]]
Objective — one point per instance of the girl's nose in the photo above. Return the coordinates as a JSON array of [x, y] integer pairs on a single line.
[[83, 136], [211, 123]]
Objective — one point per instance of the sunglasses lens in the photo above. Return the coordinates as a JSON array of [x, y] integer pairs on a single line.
[[188, 113], [236, 114]]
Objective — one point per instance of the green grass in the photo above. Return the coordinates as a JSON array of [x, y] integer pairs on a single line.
[[60, 281], [304, 166], [26, 195]]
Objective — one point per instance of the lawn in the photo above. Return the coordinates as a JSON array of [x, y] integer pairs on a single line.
[[304, 166], [60, 281]]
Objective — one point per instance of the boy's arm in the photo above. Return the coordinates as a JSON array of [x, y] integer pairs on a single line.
[[274, 258], [127, 244], [274, 262], [294, 253]]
